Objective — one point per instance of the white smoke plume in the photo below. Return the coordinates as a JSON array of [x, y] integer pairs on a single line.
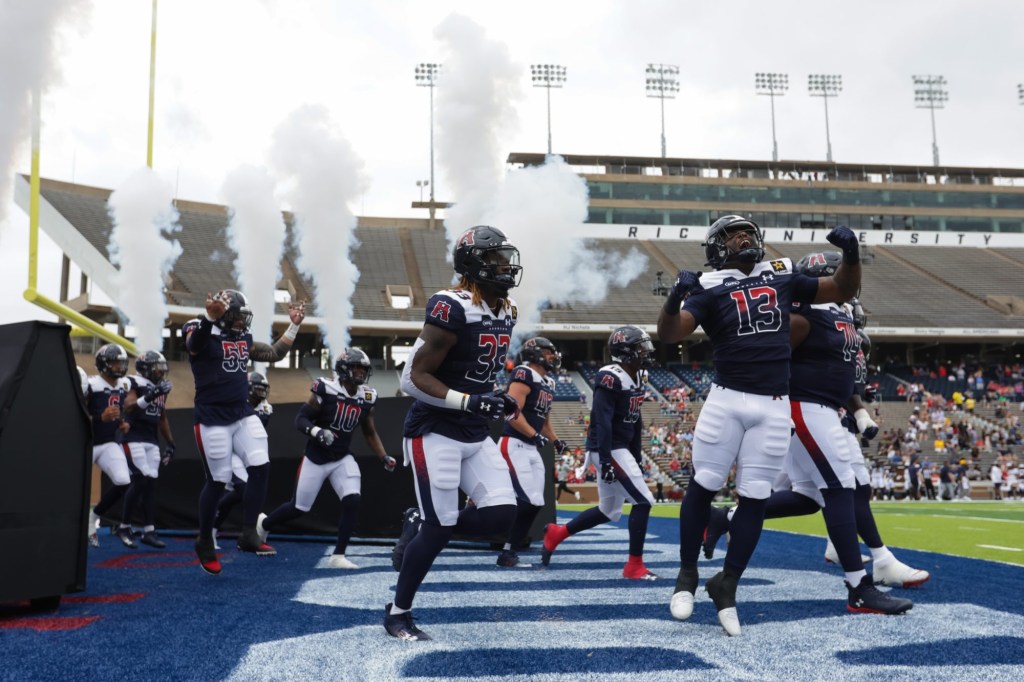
[[256, 232], [477, 90], [323, 175], [541, 209], [28, 46], [142, 211]]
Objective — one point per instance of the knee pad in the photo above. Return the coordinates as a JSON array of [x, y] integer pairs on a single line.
[[711, 480]]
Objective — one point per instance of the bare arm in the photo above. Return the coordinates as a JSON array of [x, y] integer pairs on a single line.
[[165, 428], [673, 328], [519, 391], [262, 352], [372, 439], [840, 287]]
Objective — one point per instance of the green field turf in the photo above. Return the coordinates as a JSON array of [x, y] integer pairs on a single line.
[[981, 530]]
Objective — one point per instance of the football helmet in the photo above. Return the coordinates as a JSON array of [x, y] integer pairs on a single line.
[[349, 360], [718, 253], [860, 317], [152, 365], [259, 387], [823, 264], [865, 343], [112, 360], [484, 255], [631, 345], [533, 351], [236, 319]]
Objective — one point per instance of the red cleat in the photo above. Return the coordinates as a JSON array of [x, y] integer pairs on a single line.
[[635, 570], [553, 536]]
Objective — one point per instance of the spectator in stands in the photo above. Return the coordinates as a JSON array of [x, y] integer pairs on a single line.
[[913, 471]]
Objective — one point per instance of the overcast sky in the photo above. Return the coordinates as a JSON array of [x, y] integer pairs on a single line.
[[229, 72]]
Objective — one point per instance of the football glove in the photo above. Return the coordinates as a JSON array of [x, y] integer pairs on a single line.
[[561, 447], [846, 240], [540, 440], [164, 387], [865, 424], [686, 283], [168, 454], [390, 462], [324, 436], [488, 405], [608, 472]]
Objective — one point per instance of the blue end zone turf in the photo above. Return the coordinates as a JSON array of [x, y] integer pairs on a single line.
[[156, 615]]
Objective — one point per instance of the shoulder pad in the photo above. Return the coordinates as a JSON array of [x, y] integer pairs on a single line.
[[447, 309]]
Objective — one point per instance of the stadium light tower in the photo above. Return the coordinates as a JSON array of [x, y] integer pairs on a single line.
[[663, 83], [825, 86], [547, 76], [930, 93], [774, 85], [427, 75]]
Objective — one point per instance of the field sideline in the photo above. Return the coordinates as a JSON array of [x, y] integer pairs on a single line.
[[978, 530]]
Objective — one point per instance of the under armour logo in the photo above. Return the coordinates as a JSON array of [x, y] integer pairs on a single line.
[[486, 407]]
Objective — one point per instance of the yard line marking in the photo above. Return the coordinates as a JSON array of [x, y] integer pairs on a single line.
[[984, 530], [1008, 549], [905, 528], [882, 512]]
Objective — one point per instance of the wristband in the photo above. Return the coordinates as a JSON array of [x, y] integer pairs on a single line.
[[141, 402], [314, 430], [455, 400], [851, 257], [208, 318], [672, 304], [291, 332]]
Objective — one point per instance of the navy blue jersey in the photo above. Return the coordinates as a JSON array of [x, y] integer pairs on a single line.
[[341, 412], [822, 367], [538, 400], [222, 385], [143, 424], [472, 363], [98, 397], [860, 380], [615, 420], [747, 320]]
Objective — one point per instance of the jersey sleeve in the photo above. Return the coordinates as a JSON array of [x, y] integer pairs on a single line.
[[445, 312], [805, 289], [607, 380], [521, 375], [369, 395]]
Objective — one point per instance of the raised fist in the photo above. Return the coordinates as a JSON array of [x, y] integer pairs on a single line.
[[686, 283], [297, 312], [217, 304]]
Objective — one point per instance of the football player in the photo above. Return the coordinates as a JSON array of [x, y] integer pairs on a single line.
[[614, 448], [220, 348], [532, 387], [887, 569], [234, 491], [743, 306], [329, 418], [146, 409], [450, 372], [818, 471], [104, 397]]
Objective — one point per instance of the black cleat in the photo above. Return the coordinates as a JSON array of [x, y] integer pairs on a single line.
[[124, 534], [718, 525], [208, 560], [410, 526], [249, 541], [402, 627], [866, 598], [510, 559], [722, 590], [152, 539]]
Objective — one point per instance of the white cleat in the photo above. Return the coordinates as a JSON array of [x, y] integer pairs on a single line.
[[215, 545], [832, 556], [260, 530], [897, 574], [730, 621], [93, 527], [681, 605], [339, 561]]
